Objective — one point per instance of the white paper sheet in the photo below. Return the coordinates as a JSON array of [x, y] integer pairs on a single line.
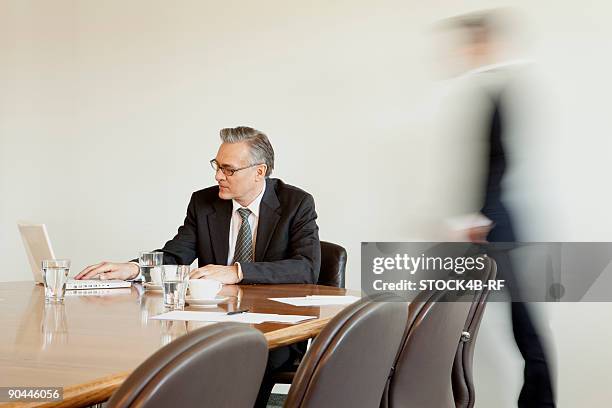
[[252, 318], [318, 300]]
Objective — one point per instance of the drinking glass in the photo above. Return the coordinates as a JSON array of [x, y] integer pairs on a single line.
[[148, 262], [55, 275], [175, 279]]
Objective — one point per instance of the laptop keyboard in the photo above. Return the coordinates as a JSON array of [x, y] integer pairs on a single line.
[[73, 284]]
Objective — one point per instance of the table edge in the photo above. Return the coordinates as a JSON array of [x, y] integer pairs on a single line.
[[100, 390]]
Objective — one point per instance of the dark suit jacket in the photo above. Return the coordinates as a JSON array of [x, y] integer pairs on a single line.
[[287, 248]]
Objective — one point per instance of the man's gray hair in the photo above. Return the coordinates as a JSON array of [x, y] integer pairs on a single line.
[[485, 25], [261, 149]]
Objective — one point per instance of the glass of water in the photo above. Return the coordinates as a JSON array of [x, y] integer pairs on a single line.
[[55, 275], [175, 279], [150, 262]]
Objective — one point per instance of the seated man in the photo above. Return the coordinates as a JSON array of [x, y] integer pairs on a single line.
[[278, 244], [247, 229]]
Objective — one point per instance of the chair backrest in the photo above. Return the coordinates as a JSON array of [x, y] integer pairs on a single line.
[[421, 375], [333, 265], [462, 378], [349, 361], [221, 365]]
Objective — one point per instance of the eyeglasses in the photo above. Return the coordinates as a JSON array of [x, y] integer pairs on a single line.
[[227, 170]]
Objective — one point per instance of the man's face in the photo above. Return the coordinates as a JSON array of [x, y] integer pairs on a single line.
[[458, 51], [243, 183]]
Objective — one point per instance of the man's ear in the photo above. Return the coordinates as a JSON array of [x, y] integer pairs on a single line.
[[261, 172]]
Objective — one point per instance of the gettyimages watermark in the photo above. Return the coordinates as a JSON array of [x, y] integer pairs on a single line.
[[509, 271]]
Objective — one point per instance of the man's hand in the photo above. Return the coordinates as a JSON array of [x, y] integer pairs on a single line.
[[478, 235], [469, 228], [225, 274], [109, 270]]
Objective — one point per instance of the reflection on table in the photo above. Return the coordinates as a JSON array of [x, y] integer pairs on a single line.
[[92, 341]]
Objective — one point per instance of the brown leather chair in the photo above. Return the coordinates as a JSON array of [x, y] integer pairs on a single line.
[[349, 361], [333, 265], [333, 268], [214, 366], [463, 383], [421, 375], [424, 366]]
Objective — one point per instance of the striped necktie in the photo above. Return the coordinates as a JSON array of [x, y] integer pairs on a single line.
[[244, 242]]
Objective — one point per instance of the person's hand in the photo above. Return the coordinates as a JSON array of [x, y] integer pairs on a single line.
[[109, 270], [478, 235], [225, 274], [469, 228]]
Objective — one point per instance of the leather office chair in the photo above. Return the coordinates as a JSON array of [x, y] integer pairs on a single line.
[[214, 366], [427, 364], [463, 383], [333, 265], [421, 375], [333, 269], [349, 361]]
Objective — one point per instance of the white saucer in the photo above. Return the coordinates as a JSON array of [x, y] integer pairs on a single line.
[[205, 302], [152, 286]]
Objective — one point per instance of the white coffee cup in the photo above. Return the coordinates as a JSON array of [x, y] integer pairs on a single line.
[[204, 288], [156, 275]]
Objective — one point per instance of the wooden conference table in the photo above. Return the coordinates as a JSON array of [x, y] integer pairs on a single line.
[[92, 342]]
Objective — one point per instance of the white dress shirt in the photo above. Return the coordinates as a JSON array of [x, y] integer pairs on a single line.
[[236, 222]]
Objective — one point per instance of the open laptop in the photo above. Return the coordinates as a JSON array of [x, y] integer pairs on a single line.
[[38, 247]]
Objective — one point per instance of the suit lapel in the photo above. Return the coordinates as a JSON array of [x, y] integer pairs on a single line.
[[269, 215], [219, 225]]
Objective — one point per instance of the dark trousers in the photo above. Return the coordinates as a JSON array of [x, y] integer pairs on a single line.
[[537, 388], [280, 359]]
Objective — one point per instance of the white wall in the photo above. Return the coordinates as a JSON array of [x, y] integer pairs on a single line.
[[110, 111]]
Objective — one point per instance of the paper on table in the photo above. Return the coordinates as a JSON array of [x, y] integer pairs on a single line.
[[332, 297], [252, 318], [317, 300], [209, 317]]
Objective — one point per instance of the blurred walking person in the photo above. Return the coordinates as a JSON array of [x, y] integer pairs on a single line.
[[489, 88]]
